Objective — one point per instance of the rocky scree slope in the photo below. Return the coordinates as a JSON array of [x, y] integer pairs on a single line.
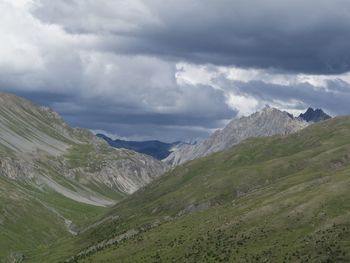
[[269, 121], [31, 134]]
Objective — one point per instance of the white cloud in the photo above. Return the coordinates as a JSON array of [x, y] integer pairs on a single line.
[[289, 79], [205, 74], [20, 4], [18, 50], [243, 104], [35, 55], [195, 74]]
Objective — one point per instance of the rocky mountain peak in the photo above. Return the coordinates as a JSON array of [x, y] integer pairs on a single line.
[[312, 115], [268, 108], [267, 122]]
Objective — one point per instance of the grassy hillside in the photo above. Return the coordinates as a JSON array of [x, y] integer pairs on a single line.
[[30, 217], [276, 199]]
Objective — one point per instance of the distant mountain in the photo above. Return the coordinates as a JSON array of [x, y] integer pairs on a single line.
[[156, 149], [269, 121], [312, 115]]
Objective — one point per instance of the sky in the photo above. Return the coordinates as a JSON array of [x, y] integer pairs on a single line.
[[175, 70]]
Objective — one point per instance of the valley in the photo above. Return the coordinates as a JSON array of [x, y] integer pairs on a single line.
[[275, 199], [274, 193], [188, 131]]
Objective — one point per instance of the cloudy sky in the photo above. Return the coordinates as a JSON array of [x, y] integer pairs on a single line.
[[175, 70]]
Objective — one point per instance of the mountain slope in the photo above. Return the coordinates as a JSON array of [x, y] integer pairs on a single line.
[[55, 179], [26, 128], [30, 135], [272, 199], [268, 122], [156, 149]]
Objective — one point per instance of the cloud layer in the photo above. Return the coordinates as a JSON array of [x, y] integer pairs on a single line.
[[300, 36], [176, 71]]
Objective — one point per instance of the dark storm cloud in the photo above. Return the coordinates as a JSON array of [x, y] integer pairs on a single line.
[[168, 128], [160, 119], [300, 36], [201, 111], [127, 121]]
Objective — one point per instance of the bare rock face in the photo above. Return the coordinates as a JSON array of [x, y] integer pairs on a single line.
[[268, 122], [36, 145], [17, 169], [129, 175]]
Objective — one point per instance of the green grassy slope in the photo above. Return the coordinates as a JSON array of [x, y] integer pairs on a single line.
[[276, 199], [31, 218], [33, 215]]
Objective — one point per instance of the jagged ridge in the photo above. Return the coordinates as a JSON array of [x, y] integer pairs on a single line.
[[312, 115]]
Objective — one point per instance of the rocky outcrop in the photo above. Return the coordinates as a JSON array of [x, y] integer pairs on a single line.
[[268, 122], [128, 175], [17, 169]]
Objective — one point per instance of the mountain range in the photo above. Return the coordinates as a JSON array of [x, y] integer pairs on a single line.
[[156, 149], [237, 130], [268, 187]]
